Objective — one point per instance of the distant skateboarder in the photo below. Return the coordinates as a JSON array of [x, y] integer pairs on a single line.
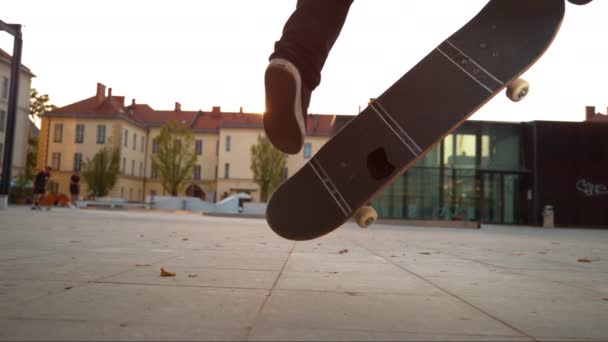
[[40, 182], [295, 67], [74, 188]]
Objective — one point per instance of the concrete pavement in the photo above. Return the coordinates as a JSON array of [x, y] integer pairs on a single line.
[[94, 275]]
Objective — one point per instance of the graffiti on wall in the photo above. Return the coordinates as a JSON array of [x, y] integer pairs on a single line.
[[590, 189]]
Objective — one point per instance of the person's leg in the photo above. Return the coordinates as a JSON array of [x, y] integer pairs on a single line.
[[37, 197], [309, 35], [295, 69]]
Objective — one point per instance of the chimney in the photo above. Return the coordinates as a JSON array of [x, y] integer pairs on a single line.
[[133, 103], [589, 113], [372, 100], [216, 109], [110, 93], [101, 92], [241, 110], [178, 107]]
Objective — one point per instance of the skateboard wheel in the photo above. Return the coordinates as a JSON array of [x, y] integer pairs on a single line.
[[518, 89], [365, 216]]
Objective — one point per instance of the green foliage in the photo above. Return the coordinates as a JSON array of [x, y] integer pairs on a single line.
[[101, 172], [32, 154], [21, 190], [267, 165], [176, 157], [39, 103]]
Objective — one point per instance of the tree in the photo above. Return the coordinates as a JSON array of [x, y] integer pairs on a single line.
[[101, 172], [267, 165], [39, 103], [176, 157], [32, 154]]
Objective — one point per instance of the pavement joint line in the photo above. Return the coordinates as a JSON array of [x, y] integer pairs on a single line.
[[125, 271], [182, 285], [52, 293], [518, 272], [448, 292], [258, 315], [31, 257], [366, 293], [423, 333]]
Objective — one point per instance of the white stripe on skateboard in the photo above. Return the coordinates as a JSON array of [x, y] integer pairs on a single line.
[[330, 186], [396, 124], [393, 129], [476, 64], [465, 71]]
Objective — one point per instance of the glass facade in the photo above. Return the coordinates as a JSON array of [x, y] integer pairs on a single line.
[[473, 174]]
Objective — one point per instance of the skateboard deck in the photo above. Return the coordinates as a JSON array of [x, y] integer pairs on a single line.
[[438, 94]]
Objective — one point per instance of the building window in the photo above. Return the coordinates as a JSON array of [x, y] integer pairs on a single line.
[[141, 169], [122, 192], [1, 153], [143, 142], [217, 148], [307, 150], [101, 134], [124, 165], [130, 194], [5, 87], [132, 167], [77, 161], [227, 170], [197, 172], [58, 133], [126, 142], [199, 147], [228, 140], [155, 145], [56, 161], [134, 141], [79, 133], [153, 172], [2, 120]]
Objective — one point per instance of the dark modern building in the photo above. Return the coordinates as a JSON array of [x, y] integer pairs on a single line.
[[506, 173]]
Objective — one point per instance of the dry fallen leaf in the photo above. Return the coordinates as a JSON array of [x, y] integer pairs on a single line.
[[343, 251], [584, 260], [192, 275], [165, 273]]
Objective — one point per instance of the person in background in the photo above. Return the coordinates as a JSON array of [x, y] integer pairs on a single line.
[[40, 182], [74, 188]]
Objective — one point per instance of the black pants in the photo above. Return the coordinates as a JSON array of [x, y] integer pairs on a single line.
[[309, 35]]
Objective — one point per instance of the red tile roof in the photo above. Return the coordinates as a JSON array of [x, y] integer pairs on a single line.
[[6, 57], [102, 105]]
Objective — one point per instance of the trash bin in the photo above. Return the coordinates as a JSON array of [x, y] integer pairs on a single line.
[[548, 215]]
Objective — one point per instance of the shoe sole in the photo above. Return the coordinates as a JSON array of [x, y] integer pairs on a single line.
[[283, 121]]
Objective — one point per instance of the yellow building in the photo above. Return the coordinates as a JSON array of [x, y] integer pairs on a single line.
[[22, 123], [71, 134]]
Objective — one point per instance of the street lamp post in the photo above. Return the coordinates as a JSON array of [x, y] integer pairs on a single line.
[[5, 181]]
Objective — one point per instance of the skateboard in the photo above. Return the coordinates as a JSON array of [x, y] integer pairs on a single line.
[[400, 126]]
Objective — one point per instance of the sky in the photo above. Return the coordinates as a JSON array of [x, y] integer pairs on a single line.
[[209, 53]]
